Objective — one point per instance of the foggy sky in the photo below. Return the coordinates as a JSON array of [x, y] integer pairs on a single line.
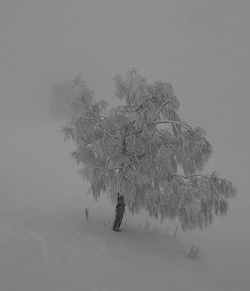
[[202, 47]]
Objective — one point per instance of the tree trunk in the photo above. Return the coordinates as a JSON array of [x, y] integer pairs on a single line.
[[119, 212]]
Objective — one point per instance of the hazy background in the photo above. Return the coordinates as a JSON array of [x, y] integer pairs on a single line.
[[201, 46]]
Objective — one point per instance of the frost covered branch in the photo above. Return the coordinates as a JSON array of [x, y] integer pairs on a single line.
[[189, 128]]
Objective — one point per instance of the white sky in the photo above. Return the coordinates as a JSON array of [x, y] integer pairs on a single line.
[[201, 46]]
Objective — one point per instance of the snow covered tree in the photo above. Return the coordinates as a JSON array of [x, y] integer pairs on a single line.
[[145, 152]]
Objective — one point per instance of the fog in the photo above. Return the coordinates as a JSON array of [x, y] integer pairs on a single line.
[[201, 47]]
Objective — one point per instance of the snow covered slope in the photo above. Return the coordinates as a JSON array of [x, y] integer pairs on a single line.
[[46, 244]]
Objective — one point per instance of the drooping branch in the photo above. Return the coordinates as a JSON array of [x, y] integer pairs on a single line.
[[210, 180], [189, 128], [182, 139]]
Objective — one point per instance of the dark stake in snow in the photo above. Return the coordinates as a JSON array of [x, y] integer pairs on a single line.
[[146, 152]]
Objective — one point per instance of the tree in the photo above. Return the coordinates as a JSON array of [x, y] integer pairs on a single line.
[[146, 153]]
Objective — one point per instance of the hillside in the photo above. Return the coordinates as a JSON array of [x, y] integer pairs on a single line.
[[46, 244]]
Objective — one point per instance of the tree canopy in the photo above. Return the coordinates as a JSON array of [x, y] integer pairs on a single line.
[[144, 150]]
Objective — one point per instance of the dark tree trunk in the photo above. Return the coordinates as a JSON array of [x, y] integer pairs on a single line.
[[119, 212]]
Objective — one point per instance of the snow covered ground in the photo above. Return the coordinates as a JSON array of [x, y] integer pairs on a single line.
[[45, 243]]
